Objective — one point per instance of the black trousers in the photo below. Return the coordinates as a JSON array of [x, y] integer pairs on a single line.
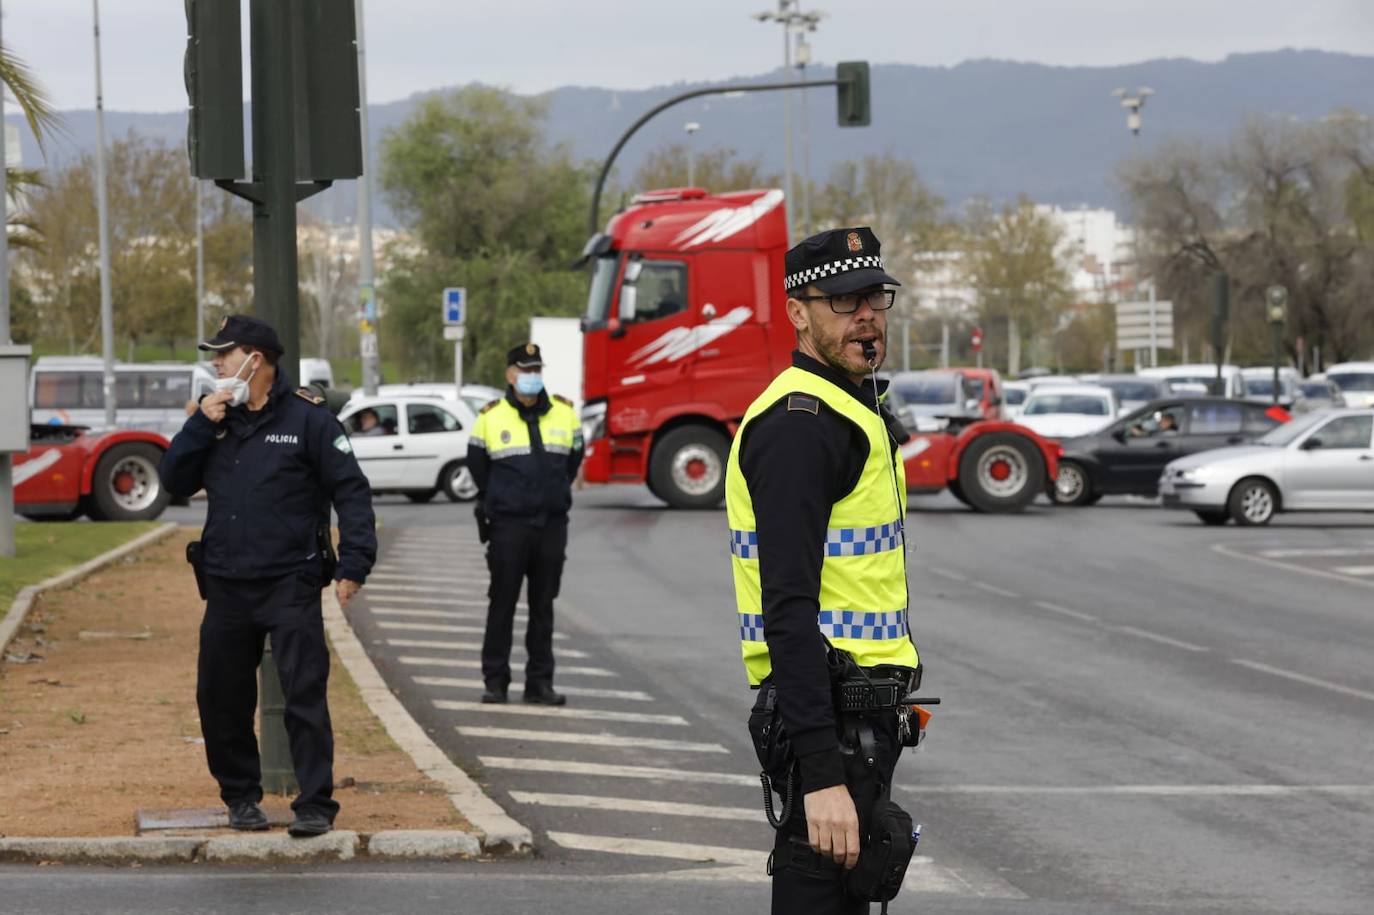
[[804, 882], [238, 615], [517, 552]]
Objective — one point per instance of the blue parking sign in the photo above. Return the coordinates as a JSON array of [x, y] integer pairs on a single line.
[[455, 305]]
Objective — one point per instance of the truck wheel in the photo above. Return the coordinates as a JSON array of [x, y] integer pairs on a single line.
[[1072, 486], [1253, 502], [457, 483], [126, 486], [687, 469], [957, 491], [1001, 472]]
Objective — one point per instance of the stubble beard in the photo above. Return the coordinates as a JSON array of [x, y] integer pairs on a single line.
[[832, 350]]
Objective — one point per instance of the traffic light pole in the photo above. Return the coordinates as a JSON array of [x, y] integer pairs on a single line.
[[658, 109]]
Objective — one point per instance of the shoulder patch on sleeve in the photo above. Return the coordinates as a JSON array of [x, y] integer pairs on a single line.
[[803, 403], [310, 395], [343, 444], [561, 399], [489, 406]]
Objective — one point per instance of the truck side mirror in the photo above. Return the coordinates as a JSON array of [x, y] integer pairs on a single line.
[[628, 296]]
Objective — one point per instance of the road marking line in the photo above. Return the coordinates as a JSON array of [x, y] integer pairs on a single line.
[[571, 767], [465, 664], [656, 848], [471, 646], [1055, 608], [1146, 790], [439, 601], [993, 589], [946, 573], [635, 805], [429, 614], [550, 712], [386, 588], [1354, 570], [1317, 551], [1224, 550], [1161, 639], [629, 695], [445, 582], [1303, 678], [544, 735], [445, 627]]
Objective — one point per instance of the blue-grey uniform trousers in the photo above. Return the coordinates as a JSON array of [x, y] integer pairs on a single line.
[[239, 614]]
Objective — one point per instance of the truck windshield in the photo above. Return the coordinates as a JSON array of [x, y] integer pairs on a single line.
[[603, 285], [928, 389]]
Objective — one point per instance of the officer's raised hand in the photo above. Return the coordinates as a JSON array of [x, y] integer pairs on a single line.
[[344, 590], [214, 405], [832, 825]]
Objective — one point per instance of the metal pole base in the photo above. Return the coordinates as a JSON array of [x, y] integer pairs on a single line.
[[278, 771]]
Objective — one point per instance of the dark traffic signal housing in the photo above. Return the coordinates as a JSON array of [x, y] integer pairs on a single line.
[[214, 88], [852, 94]]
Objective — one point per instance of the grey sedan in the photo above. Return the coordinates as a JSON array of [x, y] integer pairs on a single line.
[[1320, 461]]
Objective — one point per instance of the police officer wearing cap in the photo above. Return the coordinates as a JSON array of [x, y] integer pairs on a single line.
[[816, 503], [524, 453], [272, 460]]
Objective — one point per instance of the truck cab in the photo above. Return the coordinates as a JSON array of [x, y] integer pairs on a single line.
[[685, 325]]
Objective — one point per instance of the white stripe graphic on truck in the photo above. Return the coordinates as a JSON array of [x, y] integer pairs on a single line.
[[683, 341], [727, 221]]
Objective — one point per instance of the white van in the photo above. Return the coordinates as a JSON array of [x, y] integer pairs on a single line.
[[1233, 385], [69, 390], [316, 371], [1356, 381]]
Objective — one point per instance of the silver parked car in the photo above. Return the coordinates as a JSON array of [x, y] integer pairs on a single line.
[[1321, 461]]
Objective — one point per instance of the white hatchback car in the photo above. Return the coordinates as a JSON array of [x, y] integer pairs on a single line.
[[413, 445], [1067, 410], [1321, 461]]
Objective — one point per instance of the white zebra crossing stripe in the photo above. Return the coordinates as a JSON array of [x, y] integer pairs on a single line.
[[544, 711], [472, 646], [637, 805], [589, 740], [445, 627], [653, 773], [443, 581], [655, 848], [426, 614], [386, 588], [465, 664], [1354, 570], [434, 601], [631, 695]]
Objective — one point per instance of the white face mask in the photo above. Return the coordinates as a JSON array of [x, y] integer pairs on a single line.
[[238, 385]]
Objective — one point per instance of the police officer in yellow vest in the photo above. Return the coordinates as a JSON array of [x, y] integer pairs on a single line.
[[524, 453], [816, 501]]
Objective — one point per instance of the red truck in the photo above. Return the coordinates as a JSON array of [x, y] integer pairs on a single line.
[[110, 476], [686, 325]]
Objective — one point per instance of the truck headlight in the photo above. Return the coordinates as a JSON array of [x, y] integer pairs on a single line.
[[593, 421]]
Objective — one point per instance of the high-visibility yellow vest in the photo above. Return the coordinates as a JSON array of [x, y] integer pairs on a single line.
[[502, 431], [863, 596]]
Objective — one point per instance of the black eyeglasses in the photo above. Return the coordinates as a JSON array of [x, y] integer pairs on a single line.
[[877, 299]]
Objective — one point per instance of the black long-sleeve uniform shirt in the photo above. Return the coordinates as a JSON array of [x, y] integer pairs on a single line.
[[797, 465], [271, 476]]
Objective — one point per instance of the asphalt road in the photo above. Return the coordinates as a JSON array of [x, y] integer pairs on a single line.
[[1140, 714]]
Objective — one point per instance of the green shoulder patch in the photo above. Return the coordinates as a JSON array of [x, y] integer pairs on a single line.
[[343, 444], [561, 399], [310, 395], [803, 403]]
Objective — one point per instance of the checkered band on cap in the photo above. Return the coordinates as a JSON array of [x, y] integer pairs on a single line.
[[834, 268]]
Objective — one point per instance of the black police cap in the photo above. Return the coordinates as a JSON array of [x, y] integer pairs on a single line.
[[837, 262], [525, 356], [243, 330]]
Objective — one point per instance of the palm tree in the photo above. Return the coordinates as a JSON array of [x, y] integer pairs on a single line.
[[33, 101]]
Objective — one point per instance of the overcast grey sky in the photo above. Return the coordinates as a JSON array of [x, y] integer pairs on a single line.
[[533, 45]]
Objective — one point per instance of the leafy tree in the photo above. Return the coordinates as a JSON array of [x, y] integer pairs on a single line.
[[1013, 264], [717, 170]]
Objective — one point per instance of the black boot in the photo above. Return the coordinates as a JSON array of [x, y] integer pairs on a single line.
[[543, 694], [494, 694], [247, 816]]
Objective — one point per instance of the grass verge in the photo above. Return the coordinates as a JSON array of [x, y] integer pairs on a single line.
[[43, 550]]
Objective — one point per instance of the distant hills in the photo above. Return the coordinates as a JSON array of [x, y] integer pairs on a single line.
[[986, 127]]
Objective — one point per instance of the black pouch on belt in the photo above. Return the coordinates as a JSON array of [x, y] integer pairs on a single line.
[[771, 742], [194, 557], [329, 561], [884, 855]]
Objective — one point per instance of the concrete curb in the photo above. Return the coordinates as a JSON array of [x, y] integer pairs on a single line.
[[499, 831], [23, 601], [241, 848], [340, 845], [423, 843], [104, 850]]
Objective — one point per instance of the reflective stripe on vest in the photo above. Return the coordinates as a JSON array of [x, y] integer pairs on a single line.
[[503, 432], [863, 565]]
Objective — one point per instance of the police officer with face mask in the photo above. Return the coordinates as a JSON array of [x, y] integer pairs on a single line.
[[272, 460], [524, 454]]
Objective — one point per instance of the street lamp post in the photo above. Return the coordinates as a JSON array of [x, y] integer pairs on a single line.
[[1276, 301], [1133, 104], [793, 21], [691, 127], [103, 218]]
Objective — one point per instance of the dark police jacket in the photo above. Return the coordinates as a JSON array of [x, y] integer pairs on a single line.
[[524, 459], [271, 476]]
